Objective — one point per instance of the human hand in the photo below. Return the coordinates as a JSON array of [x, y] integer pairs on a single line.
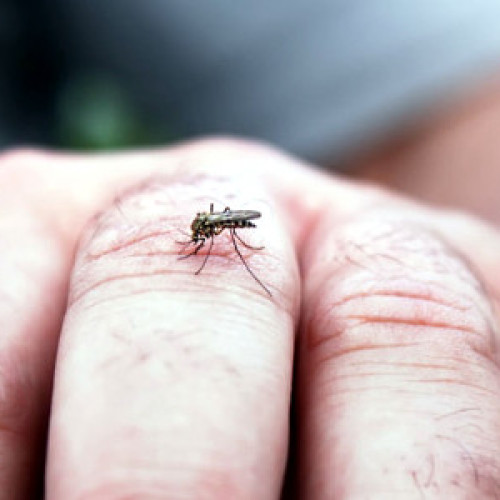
[[171, 385], [451, 159]]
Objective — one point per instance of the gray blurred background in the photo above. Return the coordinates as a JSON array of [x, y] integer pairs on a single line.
[[322, 79]]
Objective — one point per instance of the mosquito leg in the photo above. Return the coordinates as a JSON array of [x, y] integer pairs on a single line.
[[206, 256], [246, 244], [233, 234], [184, 245], [194, 252], [186, 242]]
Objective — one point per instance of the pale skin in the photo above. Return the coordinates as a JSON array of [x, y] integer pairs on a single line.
[[171, 385]]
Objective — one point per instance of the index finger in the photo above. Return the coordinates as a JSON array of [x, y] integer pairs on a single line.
[[172, 384]]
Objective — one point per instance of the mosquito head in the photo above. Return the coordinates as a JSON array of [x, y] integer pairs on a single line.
[[197, 224]]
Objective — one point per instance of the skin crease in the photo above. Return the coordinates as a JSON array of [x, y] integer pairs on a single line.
[[169, 385]]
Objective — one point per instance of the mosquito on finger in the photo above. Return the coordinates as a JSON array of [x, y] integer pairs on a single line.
[[207, 225]]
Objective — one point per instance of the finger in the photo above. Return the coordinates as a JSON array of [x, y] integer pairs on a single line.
[[399, 388], [41, 212], [171, 385], [45, 199], [33, 267]]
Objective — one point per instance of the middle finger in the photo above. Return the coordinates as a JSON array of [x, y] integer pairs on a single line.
[[170, 384]]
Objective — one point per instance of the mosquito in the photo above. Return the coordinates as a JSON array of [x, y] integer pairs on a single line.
[[210, 224]]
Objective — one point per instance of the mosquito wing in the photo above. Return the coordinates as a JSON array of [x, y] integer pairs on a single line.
[[232, 216]]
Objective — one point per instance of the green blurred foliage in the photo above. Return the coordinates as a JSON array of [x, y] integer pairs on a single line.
[[95, 113]]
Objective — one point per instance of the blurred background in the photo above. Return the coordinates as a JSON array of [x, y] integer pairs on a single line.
[[322, 79]]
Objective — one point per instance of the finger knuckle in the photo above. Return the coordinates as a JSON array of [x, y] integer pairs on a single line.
[[133, 245], [22, 156], [395, 287], [227, 144], [126, 245], [20, 168]]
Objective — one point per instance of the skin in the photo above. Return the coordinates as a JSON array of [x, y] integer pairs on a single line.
[[451, 159], [158, 384]]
